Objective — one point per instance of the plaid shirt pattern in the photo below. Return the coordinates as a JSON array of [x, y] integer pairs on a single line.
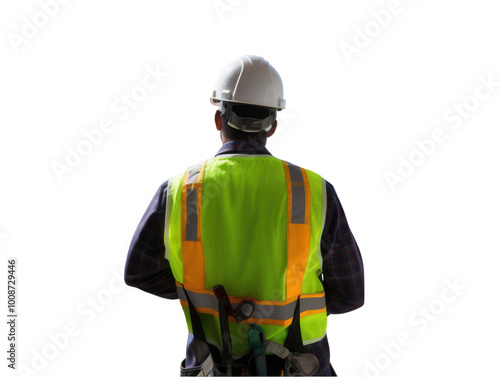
[[343, 276]]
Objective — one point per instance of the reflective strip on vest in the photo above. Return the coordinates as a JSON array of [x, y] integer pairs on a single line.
[[166, 228], [298, 217], [266, 312], [193, 258]]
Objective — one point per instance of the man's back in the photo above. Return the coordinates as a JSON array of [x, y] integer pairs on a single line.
[[256, 231], [272, 233]]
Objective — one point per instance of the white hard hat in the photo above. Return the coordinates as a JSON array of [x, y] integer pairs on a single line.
[[249, 80]]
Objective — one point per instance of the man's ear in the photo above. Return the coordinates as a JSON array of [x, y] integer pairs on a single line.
[[273, 129], [218, 121]]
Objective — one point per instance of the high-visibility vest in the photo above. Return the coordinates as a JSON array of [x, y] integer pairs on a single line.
[[252, 223]]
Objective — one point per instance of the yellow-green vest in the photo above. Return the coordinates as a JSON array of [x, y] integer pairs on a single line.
[[252, 223]]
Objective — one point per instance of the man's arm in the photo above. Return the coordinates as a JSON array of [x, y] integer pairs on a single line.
[[146, 267], [342, 264]]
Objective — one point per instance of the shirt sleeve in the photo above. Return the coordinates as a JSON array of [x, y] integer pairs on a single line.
[[343, 273], [146, 267]]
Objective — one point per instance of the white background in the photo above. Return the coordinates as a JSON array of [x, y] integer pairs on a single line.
[[349, 118]]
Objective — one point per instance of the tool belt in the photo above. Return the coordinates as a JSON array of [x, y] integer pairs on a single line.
[[266, 358]]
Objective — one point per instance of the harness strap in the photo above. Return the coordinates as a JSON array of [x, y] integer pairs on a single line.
[[256, 341], [201, 349]]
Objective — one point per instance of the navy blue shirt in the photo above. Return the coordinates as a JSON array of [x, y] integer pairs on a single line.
[[343, 277]]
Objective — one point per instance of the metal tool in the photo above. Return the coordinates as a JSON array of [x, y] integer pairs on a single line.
[[301, 364], [243, 311], [296, 364]]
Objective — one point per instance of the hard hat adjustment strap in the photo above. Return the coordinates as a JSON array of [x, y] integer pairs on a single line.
[[246, 124]]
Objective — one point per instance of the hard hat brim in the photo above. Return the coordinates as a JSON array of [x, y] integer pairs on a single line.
[[216, 102]]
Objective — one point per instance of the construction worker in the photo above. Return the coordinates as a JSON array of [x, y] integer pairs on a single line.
[[258, 250]]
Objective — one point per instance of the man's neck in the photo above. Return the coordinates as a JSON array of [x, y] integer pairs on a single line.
[[243, 146]]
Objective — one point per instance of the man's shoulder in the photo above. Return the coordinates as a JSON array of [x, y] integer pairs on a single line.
[[176, 179], [309, 172], [168, 184]]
